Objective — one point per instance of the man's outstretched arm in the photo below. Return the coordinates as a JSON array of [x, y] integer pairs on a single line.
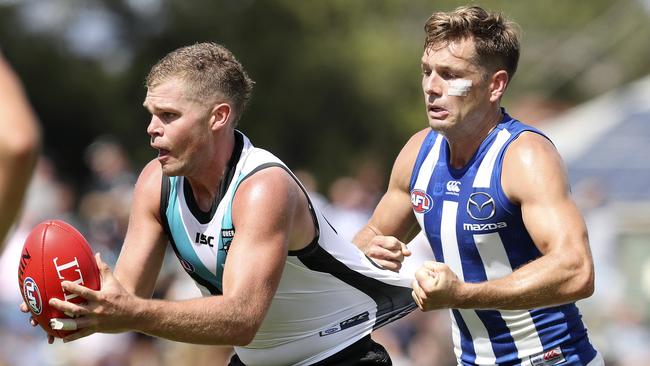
[[19, 146]]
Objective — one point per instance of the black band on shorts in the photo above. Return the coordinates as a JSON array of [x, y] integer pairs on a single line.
[[362, 352]]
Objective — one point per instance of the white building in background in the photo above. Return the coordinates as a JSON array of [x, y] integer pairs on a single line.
[[606, 146]]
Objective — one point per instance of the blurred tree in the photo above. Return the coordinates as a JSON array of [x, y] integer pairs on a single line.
[[337, 81]]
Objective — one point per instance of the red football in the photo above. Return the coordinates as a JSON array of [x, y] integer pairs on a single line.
[[53, 252]]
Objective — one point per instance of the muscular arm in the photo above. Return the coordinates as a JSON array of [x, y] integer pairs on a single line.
[[19, 146], [263, 213], [534, 176], [265, 210], [144, 246], [392, 222]]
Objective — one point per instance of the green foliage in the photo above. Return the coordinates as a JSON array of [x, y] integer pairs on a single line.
[[337, 81]]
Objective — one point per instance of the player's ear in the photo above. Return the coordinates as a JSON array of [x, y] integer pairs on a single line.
[[220, 115], [498, 84]]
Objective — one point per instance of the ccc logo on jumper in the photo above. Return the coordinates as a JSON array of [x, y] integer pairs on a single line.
[[453, 187], [480, 206]]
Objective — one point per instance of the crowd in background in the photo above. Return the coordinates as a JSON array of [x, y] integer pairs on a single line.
[[100, 211]]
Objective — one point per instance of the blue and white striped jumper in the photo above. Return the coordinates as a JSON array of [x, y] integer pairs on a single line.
[[473, 227]]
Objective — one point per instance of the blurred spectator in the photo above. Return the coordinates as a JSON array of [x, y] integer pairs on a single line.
[[603, 228], [616, 324], [626, 337], [109, 165], [372, 176], [106, 203], [348, 210], [311, 185]]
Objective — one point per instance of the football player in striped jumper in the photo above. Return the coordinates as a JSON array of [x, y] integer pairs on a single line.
[[492, 196], [278, 282]]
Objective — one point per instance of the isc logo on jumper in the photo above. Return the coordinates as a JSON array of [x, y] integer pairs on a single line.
[[453, 187], [421, 201], [32, 295], [201, 238]]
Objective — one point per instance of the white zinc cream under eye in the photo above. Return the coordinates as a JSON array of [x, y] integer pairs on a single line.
[[459, 87]]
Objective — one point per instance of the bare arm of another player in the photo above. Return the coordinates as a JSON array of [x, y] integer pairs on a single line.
[[392, 223], [534, 177], [263, 214], [19, 146]]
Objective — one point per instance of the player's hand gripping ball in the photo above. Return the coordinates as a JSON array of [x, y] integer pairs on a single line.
[[54, 252]]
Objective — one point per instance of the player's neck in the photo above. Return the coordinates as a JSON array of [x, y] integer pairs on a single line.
[[463, 146], [206, 184]]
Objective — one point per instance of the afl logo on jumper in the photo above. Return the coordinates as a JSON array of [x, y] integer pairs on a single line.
[[480, 206], [421, 201], [32, 295]]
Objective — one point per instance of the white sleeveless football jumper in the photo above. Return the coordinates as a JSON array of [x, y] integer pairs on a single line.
[[330, 294], [473, 227]]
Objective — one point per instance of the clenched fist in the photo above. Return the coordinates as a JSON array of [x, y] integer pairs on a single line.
[[436, 286]]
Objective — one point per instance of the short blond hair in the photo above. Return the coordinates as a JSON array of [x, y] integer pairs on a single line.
[[496, 38], [211, 73]]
